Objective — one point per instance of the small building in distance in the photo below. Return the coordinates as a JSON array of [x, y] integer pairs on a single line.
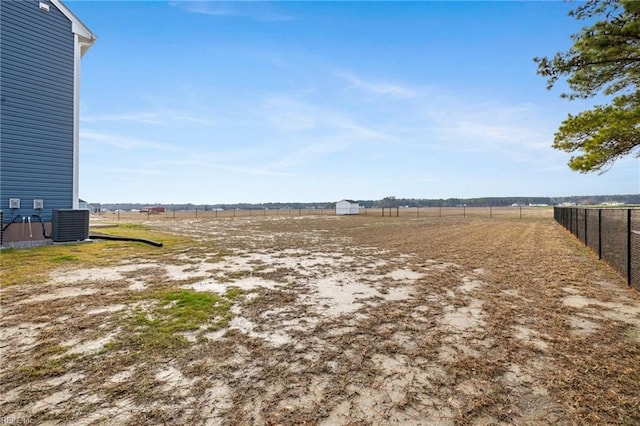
[[153, 210], [344, 207]]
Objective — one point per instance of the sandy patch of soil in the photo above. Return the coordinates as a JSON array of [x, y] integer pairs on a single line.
[[59, 293], [350, 320]]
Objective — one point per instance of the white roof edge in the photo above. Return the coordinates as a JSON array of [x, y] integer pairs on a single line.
[[77, 27]]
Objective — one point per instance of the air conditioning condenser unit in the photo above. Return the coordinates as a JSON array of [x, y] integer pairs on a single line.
[[69, 225]]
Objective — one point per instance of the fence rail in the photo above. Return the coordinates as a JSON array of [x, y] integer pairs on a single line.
[[613, 234], [407, 212]]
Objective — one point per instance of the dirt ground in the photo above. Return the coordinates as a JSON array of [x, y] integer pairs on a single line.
[[321, 320]]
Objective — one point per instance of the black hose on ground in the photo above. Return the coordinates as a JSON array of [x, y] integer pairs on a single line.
[[117, 238], [34, 216], [44, 231], [14, 220]]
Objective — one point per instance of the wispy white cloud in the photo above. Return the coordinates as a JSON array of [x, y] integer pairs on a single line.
[[304, 132], [356, 131], [127, 172], [466, 125], [454, 121], [202, 7], [294, 115], [205, 162], [260, 171], [259, 11], [376, 88], [138, 117], [123, 142], [164, 117], [429, 179], [446, 120], [309, 154], [195, 120], [480, 135], [288, 115]]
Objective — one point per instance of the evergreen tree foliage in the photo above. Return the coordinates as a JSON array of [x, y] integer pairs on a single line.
[[604, 59]]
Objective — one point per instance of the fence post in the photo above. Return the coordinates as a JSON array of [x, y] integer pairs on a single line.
[[440, 212], [118, 215], [586, 231], [490, 211], [196, 212], [520, 212], [573, 220], [397, 212], [464, 211], [174, 213], [599, 234], [629, 246]]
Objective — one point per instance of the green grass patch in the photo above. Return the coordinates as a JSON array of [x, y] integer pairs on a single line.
[[50, 362], [133, 226], [136, 230], [64, 258], [172, 313], [234, 292], [53, 367], [33, 265], [188, 310]]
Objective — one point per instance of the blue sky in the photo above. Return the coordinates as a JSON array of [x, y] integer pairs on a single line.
[[224, 102]]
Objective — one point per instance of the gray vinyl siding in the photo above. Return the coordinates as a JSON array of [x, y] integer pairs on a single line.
[[36, 108]]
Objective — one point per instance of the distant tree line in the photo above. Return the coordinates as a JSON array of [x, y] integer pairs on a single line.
[[498, 201], [388, 202]]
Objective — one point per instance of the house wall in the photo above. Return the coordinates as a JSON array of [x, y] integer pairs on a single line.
[[24, 232], [36, 108]]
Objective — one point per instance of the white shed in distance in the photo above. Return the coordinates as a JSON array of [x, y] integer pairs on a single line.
[[347, 207]]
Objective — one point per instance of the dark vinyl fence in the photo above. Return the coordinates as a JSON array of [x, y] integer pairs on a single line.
[[613, 234]]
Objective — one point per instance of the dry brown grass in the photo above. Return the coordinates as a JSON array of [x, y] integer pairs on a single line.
[[351, 320]]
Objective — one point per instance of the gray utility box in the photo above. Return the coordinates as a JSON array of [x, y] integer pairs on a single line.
[[69, 225]]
